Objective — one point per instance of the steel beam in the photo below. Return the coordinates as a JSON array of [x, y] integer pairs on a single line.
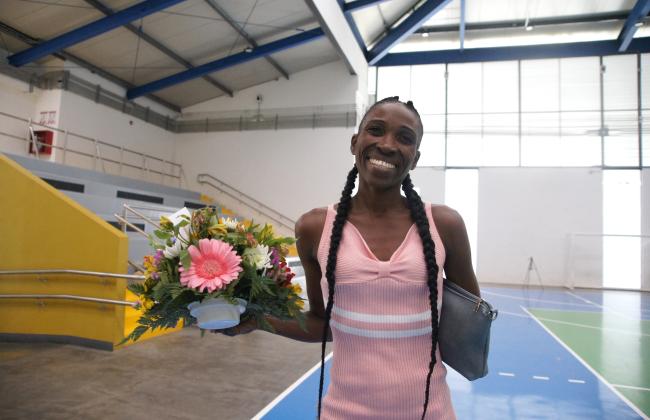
[[221, 12], [63, 55], [90, 30], [353, 27], [527, 52], [461, 30], [404, 29], [639, 11], [359, 4], [156, 44], [226, 62]]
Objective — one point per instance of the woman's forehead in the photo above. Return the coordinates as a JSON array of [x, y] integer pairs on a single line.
[[394, 111]]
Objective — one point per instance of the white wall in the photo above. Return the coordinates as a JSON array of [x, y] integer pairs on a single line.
[[291, 171], [329, 84], [15, 99], [83, 116], [431, 182], [526, 212]]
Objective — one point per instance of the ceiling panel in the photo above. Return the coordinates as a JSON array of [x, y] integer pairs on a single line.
[[306, 56], [47, 19], [189, 93], [248, 74]]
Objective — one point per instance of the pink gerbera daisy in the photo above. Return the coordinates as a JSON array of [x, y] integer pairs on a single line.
[[214, 265]]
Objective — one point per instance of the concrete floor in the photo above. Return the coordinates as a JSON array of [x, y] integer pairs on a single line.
[[177, 376]]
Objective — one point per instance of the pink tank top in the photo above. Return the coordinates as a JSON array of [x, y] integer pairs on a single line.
[[381, 328]]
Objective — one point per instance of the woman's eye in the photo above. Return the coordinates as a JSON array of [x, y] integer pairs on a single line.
[[375, 131]]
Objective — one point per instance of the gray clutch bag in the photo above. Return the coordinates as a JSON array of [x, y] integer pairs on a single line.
[[464, 331]]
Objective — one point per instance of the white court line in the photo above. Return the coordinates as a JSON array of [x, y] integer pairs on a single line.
[[593, 327], [574, 324], [506, 374], [577, 381], [487, 292], [585, 364], [604, 308], [541, 378], [286, 392], [638, 388], [513, 314]]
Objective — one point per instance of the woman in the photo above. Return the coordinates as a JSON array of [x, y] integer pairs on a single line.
[[372, 264]]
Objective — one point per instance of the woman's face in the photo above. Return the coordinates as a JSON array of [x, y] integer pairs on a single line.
[[386, 147]]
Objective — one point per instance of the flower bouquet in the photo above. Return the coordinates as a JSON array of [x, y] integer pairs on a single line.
[[218, 270]]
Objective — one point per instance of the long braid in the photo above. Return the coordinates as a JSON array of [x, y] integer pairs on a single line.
[[419, 216], [337, 230]]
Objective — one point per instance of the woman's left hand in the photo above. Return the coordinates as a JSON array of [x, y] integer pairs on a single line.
[[242, 328]]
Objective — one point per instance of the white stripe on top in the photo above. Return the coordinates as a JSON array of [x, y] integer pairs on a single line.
[[382, 319], [380, 333]]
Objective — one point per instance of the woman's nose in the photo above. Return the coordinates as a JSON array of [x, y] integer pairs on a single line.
[[388, 144]]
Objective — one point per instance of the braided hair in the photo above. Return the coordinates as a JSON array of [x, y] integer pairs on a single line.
[[418, 214]]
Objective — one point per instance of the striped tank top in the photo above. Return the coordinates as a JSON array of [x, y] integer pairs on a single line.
[[381, 329]]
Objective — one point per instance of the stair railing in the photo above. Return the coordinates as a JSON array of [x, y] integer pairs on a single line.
[[71, 297], [248, 201], [170, 169]]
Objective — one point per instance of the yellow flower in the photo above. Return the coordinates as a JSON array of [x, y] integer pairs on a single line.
[[165, 223], [146, 303], [295, 287], [218, 229]]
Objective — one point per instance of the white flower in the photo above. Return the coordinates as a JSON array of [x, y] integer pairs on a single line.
[[231, 224], [174, 250], [179, 243], [259, 257]]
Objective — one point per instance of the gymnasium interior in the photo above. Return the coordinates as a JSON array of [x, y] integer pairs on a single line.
[[114, 113]]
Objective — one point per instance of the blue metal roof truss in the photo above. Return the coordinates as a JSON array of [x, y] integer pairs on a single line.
[[226, 62], [347, 13], [90, 30], [527, 52], [404, 29], [640, 10]]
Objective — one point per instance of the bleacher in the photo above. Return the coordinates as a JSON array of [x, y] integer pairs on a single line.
[[106, 194]]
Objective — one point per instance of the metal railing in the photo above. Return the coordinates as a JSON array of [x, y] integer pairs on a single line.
[[75, 272], [71, 297], [74, 297], [169, 169], [247, 200]]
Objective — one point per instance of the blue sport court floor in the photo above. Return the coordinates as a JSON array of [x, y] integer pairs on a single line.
[[555, 354]]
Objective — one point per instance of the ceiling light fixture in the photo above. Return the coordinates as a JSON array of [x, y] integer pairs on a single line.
[[529, 28], [248, 49], [425, 34], [638, 24]]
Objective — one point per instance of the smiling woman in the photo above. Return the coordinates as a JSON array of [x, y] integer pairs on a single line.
[[387, 280], [373, 266]]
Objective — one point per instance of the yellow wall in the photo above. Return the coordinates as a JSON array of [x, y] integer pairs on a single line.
[[41, 228]]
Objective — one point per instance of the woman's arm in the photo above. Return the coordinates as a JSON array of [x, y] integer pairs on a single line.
[[308, 231], [458, 260]]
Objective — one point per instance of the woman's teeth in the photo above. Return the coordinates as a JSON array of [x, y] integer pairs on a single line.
[[382, 163]]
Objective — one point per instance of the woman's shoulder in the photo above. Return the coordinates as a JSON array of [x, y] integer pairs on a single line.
[[310, 225], [448, 221]]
